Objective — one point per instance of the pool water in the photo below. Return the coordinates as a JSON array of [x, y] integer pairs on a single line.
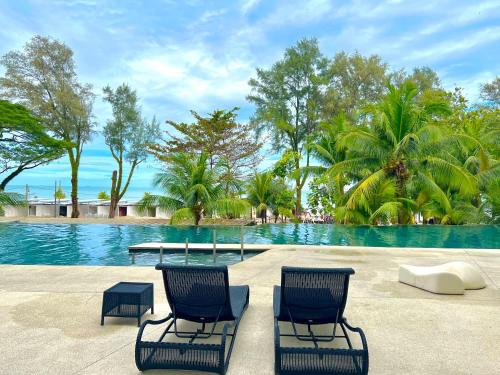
[[102, 244]]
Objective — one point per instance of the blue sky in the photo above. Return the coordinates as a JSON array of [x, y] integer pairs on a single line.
[[200, 54]]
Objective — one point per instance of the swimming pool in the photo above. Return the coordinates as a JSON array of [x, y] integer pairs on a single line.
[[103, 244]]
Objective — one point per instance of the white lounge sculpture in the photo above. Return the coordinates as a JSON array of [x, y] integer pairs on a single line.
[[448, 278]]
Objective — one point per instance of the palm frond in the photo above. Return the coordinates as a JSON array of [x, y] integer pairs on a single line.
[[230, 207], [451, 175], [386, 213], [365, 189], [181, 215]]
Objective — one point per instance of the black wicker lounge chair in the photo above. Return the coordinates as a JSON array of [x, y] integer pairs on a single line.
[[199, 294], [312, 296]]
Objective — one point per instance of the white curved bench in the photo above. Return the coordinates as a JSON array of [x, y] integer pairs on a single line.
[[448, 278]]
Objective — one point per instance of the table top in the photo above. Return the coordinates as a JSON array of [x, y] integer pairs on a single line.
[[129, 287]]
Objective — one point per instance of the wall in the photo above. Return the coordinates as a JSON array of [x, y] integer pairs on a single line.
[[163, 214], [43, 210], [15, 211], [102, 211]]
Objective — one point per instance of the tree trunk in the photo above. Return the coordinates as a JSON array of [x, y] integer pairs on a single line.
[[114, 196], [298, 206], [298, 188], [197, 218], [9, 178], [75, 213], [197, 210]]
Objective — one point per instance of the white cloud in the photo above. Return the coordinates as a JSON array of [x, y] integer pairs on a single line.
[[301, 13], [248, 5], [194, 76], [463, 16], [209, 14], [471, 84], [456, 45]]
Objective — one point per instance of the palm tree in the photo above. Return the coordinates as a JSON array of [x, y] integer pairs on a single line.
[[193, 190], [400, 139], [327, 152], [10, 199], [260, 193]]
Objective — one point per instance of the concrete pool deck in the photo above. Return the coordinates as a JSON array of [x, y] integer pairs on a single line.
[[50, 315]]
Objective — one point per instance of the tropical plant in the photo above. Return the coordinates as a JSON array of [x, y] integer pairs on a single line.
[[259, 193], [400, 139], [282, 202], [103, 195], [59, 193], [327, 191], [192, 190]]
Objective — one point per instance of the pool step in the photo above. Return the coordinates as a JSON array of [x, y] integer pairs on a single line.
[[170, 246]]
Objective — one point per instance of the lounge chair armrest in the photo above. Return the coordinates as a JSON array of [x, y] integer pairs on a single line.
[[362, 336], [153, 322], [224, 334], [277, 356]]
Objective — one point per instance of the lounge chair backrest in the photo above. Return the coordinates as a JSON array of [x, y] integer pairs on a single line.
[[197, 293], [314, 295]]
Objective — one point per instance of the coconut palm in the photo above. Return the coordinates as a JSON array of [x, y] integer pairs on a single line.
[[325, 149], [400, 139], [260, 193], [192, 190]]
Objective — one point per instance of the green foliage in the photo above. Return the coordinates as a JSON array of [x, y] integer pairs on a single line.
[[259, 193], [42, 77], [353, 81], [59, 193], [491, 91], [287, 99], [267, 192], [128, 136], [285, 165], [10, 199], [221, 137], [420, 150], [24, 142], [105, 196], [193, 190]]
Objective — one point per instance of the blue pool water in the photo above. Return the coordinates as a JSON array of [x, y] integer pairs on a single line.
[[102, 244]]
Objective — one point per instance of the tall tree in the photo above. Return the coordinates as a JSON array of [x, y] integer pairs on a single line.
[[287, 98], [42, 77], [24, 142], [398, 146], [219, 136], [353, 81], [490, 91], [423, 77], [192, 190], [127, 136]]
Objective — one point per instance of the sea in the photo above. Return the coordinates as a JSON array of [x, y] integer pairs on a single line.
[[134, 193]]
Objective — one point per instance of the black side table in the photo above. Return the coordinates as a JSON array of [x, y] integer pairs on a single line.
[[129, 300]]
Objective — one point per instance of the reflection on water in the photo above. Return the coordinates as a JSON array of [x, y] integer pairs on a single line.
[[98, 244]]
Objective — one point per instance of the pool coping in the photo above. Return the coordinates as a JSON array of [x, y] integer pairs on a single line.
[[175, 246]]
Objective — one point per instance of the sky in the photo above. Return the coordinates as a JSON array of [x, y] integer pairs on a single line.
[[200, 54]]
